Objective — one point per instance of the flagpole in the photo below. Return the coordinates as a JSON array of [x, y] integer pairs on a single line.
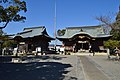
[[55, 26]]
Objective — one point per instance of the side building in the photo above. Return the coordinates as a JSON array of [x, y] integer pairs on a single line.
[[84, 38], [33, 39]]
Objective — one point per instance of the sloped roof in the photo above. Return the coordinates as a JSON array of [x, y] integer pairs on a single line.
[[32, 32], [93, 31]]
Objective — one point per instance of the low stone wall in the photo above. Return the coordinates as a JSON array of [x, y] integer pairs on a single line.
[[90, 54]]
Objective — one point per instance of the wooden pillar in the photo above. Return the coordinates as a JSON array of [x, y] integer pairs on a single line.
[[1, 43]]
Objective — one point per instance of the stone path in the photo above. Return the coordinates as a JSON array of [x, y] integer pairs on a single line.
[[91, 71], [110, 67]]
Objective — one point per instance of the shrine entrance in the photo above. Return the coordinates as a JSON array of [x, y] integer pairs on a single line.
[[82, 45]]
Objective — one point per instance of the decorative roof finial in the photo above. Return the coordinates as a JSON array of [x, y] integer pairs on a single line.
[[81, 30]]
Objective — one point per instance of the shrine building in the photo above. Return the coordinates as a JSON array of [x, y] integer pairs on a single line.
[[32, 38], [84, 38]]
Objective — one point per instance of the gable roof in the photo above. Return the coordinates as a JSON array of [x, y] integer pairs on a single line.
[[93, 31], [32, 32]]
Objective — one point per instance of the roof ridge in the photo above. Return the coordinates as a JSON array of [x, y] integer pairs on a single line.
[[34, 27], [24, 32], [82, 27]]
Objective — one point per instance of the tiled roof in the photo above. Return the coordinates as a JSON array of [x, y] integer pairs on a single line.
[[32, 32], [93, 31]]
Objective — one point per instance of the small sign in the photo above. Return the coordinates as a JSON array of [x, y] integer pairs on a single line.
[[62, 49], [38, 49], [82, 41], [81, 37], [22, 42]]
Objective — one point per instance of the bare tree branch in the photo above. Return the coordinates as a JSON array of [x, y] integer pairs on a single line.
[[106, 20], [4, 25]]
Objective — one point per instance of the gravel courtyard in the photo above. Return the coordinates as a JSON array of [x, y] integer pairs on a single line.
[[48, 67], [61, 67]]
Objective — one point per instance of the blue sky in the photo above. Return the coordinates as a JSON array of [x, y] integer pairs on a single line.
[[70, 13]]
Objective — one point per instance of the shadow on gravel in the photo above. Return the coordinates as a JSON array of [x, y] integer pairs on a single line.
[[8, 59], [45, 57], [33, 71]]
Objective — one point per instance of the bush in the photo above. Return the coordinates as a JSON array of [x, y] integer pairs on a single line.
[[112, 44]]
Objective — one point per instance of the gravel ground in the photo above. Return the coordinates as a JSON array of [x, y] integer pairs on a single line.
[[61, 67], [75, 72], [47, 67], [111, 68]]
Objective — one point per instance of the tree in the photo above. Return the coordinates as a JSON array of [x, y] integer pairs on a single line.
[[114, 25], [4, 1], [11, 12], [115, 29], [61, 32], [111, 44], [10, 43]]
